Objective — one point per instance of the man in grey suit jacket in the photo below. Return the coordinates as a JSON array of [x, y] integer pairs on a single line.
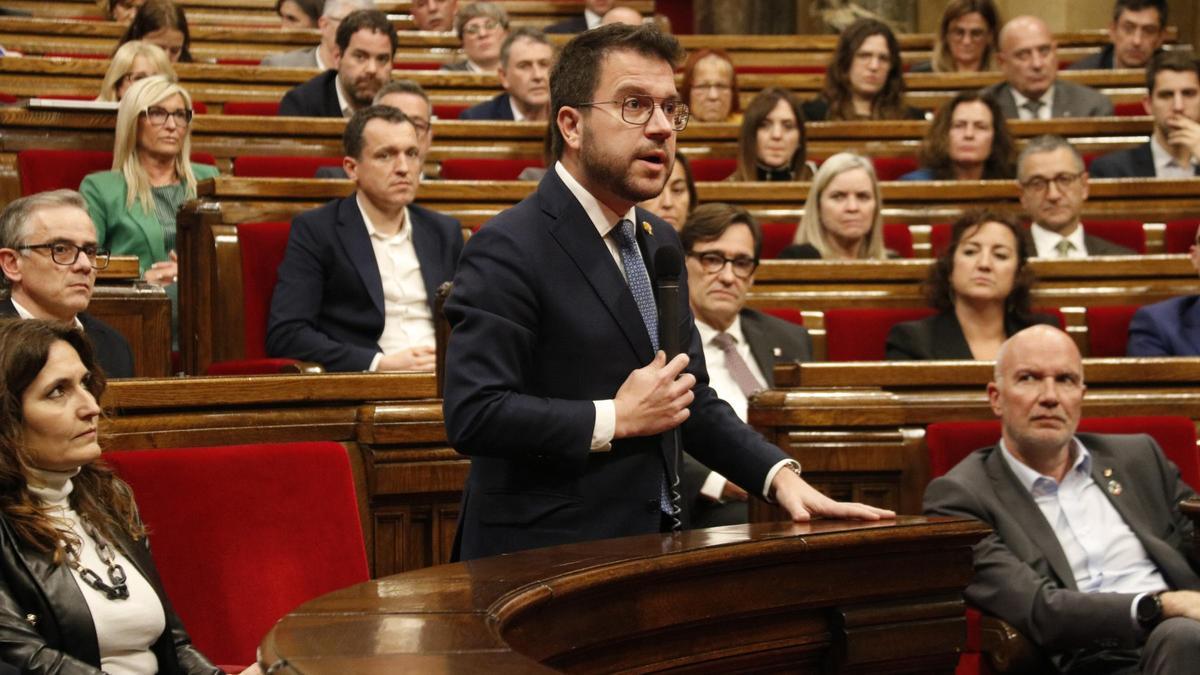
[[1028, 57], [325, 55], [1054, 187], [1090, 555], [741, 346]]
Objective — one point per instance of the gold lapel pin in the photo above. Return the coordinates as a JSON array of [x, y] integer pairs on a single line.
[[1108, 473], [1114, 488], [646, 226]]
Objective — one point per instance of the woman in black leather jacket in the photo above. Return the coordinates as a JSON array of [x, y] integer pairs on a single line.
[[78, 589]]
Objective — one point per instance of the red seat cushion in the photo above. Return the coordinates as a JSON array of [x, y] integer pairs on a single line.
[[891, 168], [939, 238], [243, 534], [1181, 235], [417, 65], [43, 170], [713, 168], [486, 168], [1108, 330], [449, 111], [898, 237], [261, 108], [1129, 109], [1128, 233], [255, 166], [861, 334], [786, 313], [776, 237], [262, 246]]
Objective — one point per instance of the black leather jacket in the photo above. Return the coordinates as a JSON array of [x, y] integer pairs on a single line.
[[45, 624]]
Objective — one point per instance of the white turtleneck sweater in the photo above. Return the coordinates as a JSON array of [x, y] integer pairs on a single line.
[[125, 628]]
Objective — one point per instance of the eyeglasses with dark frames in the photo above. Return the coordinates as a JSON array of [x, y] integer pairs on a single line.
[[158, 116], [637, 109], [712, 263], [66, 253], [1062, 181]]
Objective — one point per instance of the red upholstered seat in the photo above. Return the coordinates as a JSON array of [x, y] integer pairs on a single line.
[[861, 334], [1128, 233], [776, 237], [243, 534], [256, 166], [786, 313], [898, 238], [262, 108], [1108, 330], [417, 65], [1129, 109], [713, 168], [939, 238], [891, 168], [43, 170], [474, 168], [1180, 235], [448, 111]]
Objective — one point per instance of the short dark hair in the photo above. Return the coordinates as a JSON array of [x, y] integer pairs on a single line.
[[940, 293], [311, 8], [352, 137], [1176, 61], [1138, 5], [576, 74], [1047, 143], [935, 149], [156, 15], [404, 86], [889, 102], [523, 33], [365, 19], [708, 222]]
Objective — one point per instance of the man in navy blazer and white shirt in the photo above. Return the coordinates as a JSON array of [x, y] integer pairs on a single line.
[[554, 383], [358, 279], [1170, 327]]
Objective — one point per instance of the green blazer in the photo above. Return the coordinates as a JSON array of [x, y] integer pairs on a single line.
[[128, 231]]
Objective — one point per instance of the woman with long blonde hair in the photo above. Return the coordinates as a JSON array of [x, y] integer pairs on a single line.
[[132, 62], [134, 205], [843, 216]]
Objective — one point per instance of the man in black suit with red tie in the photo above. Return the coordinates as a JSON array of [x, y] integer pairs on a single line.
[[555, 384]]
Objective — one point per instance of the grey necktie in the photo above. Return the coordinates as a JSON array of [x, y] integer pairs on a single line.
[[737, 366], [1034, 106], [1064, 248]]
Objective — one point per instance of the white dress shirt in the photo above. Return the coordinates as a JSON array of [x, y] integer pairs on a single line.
[[1046, 242], [407, 319], [604, 220], [593, 19], [26, 314], [722, 382], [1104, 553], [343, 98], [1044, 113], [518, 116], [1166, 166]]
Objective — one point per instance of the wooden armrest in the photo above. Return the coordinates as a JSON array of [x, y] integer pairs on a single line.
[[1007, 649]]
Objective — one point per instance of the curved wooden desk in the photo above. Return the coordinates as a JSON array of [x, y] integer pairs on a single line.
[[830, 596]]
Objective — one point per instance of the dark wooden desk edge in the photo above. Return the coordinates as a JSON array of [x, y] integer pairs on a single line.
[[493, 593]]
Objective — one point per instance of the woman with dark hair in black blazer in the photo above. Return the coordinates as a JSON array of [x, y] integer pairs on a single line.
[[981, 288]]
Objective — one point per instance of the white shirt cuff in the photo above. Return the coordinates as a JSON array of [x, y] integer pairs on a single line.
[[374, 367], [606, 425], [766, 493], [714, 487]]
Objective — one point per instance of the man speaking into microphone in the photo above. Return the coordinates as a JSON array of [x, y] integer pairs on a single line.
[[557, 385]]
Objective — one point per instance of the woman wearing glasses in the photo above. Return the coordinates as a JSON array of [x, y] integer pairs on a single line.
[[710, 86], [966, 41], [134, 205], [843, 214], [482, 27], [981, 288], [134, 61]]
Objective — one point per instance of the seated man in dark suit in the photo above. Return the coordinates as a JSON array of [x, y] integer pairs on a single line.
[[1054, 187], [1170, 327], [366, 42], [357, 282], [525, 60], [410, 98], [741, 346], [325, 55], [49, 255], [1137, 31], [593, 14], [1173, 151], [1028, 56], [1090, 555]]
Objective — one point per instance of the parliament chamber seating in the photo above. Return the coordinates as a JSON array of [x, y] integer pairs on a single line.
[[950, 442], [260, 108], [1180, 235], [43, 170], [778, 236], [482, 168], [1127, 232], [712, 168], [892, 168], [861, 334], [255, 166], [1108, 330], [242, 534]]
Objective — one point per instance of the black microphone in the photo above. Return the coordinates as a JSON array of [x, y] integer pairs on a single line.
[[668, 267]]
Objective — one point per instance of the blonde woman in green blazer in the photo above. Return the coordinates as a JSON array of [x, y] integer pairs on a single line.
[[134, 206]]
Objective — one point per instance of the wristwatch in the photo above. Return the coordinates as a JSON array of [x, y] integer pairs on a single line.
[[1149, 610]]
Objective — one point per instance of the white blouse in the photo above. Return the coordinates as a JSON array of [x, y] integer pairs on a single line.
[[125, 629]]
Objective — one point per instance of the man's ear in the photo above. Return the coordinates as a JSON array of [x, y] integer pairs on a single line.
[[569, 122], [350, 166], [10, 263], [993, 393]]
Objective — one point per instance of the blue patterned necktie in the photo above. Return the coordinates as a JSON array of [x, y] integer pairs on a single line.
[[643, 294]]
